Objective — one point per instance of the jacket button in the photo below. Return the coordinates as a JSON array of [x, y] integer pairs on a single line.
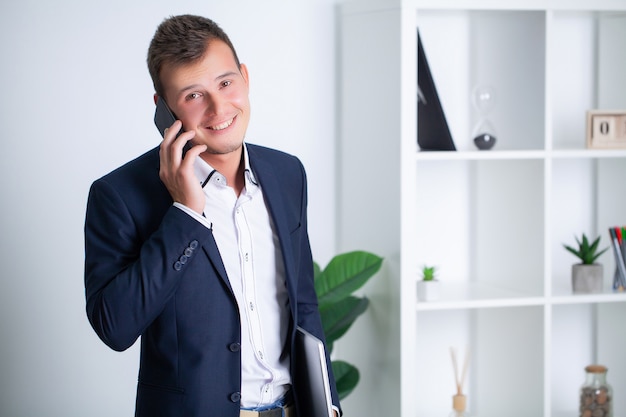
[[188, 252], [235, 397], [193, 244], [178, 266], [234, 347]]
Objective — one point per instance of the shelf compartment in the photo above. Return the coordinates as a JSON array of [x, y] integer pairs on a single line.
[[583, 334], [481, 221], [585, 189], [594, 43], [501, 49], [502, 378]]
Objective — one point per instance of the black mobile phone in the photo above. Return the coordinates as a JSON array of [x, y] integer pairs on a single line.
[[163, 116]]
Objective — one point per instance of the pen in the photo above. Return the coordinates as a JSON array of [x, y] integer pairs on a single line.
[[619, 260], [623, 249]]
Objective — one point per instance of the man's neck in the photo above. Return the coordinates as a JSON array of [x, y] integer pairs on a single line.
[[230, 165]]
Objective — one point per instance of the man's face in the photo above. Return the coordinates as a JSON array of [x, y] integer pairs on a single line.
[[210, 96]]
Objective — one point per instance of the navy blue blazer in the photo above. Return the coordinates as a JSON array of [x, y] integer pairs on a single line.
[[153, 271]]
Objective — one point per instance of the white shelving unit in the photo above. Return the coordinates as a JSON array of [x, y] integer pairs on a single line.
[[493, 221]]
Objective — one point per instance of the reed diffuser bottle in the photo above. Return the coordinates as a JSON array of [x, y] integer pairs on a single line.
[[459, 401]]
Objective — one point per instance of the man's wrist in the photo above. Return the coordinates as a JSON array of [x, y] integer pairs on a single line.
[[193, 214]]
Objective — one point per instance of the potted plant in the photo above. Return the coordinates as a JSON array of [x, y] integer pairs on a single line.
[[587, 276], [339, 308], [428, 286]]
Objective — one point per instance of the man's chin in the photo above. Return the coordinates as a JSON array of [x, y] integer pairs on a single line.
[[224, 149]]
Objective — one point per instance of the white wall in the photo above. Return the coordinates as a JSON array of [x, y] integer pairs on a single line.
[[76, 102]]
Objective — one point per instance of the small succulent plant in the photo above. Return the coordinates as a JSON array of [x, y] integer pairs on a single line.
[[587, 253], [428, 273]]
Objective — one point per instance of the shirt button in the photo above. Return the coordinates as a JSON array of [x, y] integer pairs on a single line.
[[235, 397]]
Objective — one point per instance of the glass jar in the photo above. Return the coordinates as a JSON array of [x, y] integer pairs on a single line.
[[596, 396]]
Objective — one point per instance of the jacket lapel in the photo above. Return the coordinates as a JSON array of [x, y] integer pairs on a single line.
[[213, 253]]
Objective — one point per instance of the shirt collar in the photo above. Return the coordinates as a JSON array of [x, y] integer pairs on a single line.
[[205, 172], [249, 175]]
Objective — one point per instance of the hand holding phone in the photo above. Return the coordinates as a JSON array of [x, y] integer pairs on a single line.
[[176, 170]]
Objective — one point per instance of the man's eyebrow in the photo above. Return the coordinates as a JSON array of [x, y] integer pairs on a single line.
[[218, 78], [226, 75], [189, 87]]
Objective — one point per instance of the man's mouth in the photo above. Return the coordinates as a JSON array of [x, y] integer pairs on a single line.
[[222, 126]]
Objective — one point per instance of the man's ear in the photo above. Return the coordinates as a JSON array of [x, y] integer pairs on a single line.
[[156, 98], [244, 72]]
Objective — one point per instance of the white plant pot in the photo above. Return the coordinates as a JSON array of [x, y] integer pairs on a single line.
[[428, 290], [587, 278]]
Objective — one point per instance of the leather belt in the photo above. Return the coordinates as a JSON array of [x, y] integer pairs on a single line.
[[290, 411]]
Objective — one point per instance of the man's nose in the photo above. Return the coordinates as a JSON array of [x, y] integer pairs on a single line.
[[214, 104]]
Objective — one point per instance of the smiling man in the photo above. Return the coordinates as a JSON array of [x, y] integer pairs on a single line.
[[200, 246]]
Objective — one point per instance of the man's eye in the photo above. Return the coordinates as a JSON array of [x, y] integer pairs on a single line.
[[193, 96], [226, 83]]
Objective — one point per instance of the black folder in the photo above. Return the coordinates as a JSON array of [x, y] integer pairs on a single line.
[[433, 133], [313, 385]]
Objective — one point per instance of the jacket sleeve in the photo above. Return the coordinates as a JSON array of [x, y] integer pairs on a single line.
[[131, 271]]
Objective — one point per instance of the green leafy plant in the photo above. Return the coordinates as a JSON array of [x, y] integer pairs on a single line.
[[428, 273], [339, 308], [587, 253]]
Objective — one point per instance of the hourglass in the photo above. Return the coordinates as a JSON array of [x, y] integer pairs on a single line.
[[484, 133]]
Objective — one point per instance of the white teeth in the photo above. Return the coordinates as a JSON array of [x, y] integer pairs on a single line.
[[222, 126]]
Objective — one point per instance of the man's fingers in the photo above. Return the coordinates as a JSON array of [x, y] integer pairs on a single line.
[[172, 146], [193, 152], [170, 133]]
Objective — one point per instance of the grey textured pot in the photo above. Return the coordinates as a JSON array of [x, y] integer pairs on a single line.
[[587, 278]]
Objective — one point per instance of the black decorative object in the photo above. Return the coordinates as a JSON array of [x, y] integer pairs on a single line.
[[433, 133], [484, 141], [484, 133]]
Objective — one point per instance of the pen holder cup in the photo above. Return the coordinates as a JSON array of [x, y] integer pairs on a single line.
[[617, 281]]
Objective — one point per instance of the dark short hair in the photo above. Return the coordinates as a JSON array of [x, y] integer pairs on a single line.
[[181, 40]]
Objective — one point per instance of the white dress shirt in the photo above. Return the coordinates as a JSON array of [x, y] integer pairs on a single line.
[[250, 250]]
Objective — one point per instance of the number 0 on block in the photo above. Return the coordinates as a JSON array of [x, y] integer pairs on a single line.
[[606, 129]]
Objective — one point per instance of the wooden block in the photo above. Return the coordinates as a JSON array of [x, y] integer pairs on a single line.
[[606, 129]]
